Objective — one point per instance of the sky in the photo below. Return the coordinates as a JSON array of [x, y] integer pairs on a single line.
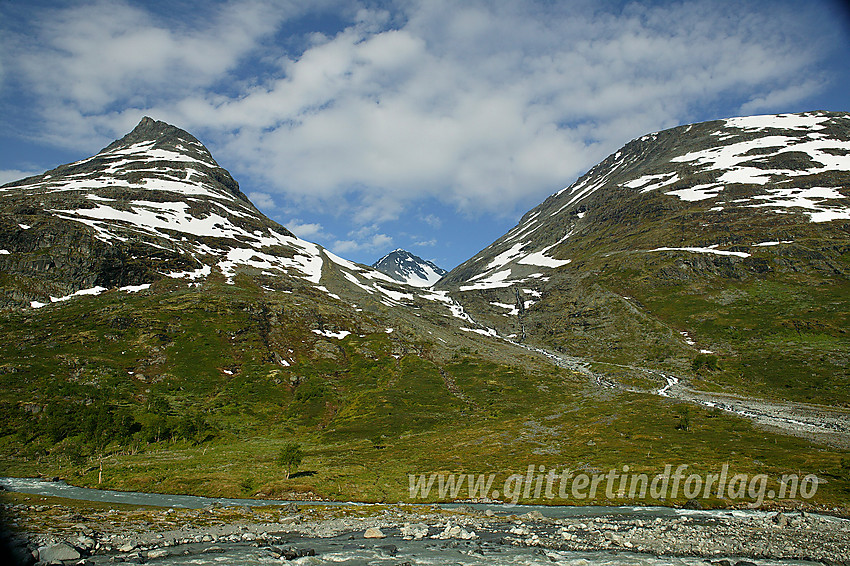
[[429, 125]]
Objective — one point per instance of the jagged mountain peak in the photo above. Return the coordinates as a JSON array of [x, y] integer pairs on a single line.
[[154, 159], [149, 129], [158, 135], [408, 268], [152, 203]]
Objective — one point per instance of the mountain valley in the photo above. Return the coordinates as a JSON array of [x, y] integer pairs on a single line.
[[163, 334]]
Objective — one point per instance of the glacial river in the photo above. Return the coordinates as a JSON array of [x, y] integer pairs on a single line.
[[393, 550]]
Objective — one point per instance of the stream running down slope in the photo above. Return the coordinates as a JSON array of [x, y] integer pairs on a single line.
[[819, 423]]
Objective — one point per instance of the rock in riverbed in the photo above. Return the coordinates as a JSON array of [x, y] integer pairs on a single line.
[[374, 532], [58, 553]]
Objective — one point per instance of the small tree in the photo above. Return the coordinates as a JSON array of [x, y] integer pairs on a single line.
[[290, 457]]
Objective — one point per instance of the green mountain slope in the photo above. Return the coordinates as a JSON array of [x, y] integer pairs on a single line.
[[715, 251]]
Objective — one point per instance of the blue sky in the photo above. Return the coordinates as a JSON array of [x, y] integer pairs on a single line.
[[428, 125]]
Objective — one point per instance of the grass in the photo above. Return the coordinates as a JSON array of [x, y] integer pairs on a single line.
[[780, 340], [366, 416]]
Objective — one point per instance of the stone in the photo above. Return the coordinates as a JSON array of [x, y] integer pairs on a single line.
[[58, 553], [374, 532], [456, 532], [85, 543], [292, 553], [416, 531]]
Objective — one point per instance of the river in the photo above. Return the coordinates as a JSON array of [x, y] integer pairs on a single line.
[[350, 548]]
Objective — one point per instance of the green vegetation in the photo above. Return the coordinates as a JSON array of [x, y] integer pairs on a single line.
[[684, 415], [707, 362], [290, 457], [181, 390]]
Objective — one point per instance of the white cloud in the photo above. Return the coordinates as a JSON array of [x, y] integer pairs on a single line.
[[426, 243], [486, 107], [97, 66], [263, 201], [306, 230], [432, 220], [366, 238], [9, 175], [782, 96]]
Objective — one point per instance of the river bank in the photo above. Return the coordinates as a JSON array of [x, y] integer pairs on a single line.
[[73, 532]]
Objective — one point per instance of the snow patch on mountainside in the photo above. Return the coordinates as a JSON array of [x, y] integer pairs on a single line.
[[782, 121], [740, 158], [499, 272], [328, 334], [540, 259], [708, 250], [93, 291]]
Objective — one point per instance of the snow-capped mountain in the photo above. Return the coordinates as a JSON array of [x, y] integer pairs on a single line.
[[777, 170], [741, 223], [403, 266], [150, 204], [155, 205]]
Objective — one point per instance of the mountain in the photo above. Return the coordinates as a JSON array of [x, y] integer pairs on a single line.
[[162, 334], [403, 266], [145, 302], [150, 206], [153, 211], [728, 238], [153, 203]]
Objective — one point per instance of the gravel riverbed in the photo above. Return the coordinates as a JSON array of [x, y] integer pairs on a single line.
[[46, 531]]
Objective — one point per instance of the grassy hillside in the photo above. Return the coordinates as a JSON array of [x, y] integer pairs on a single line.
[[187, 389], [725, 236]]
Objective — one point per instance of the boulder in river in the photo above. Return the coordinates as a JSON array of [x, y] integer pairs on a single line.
[[374, 532], [58, 553], [416, 531]]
